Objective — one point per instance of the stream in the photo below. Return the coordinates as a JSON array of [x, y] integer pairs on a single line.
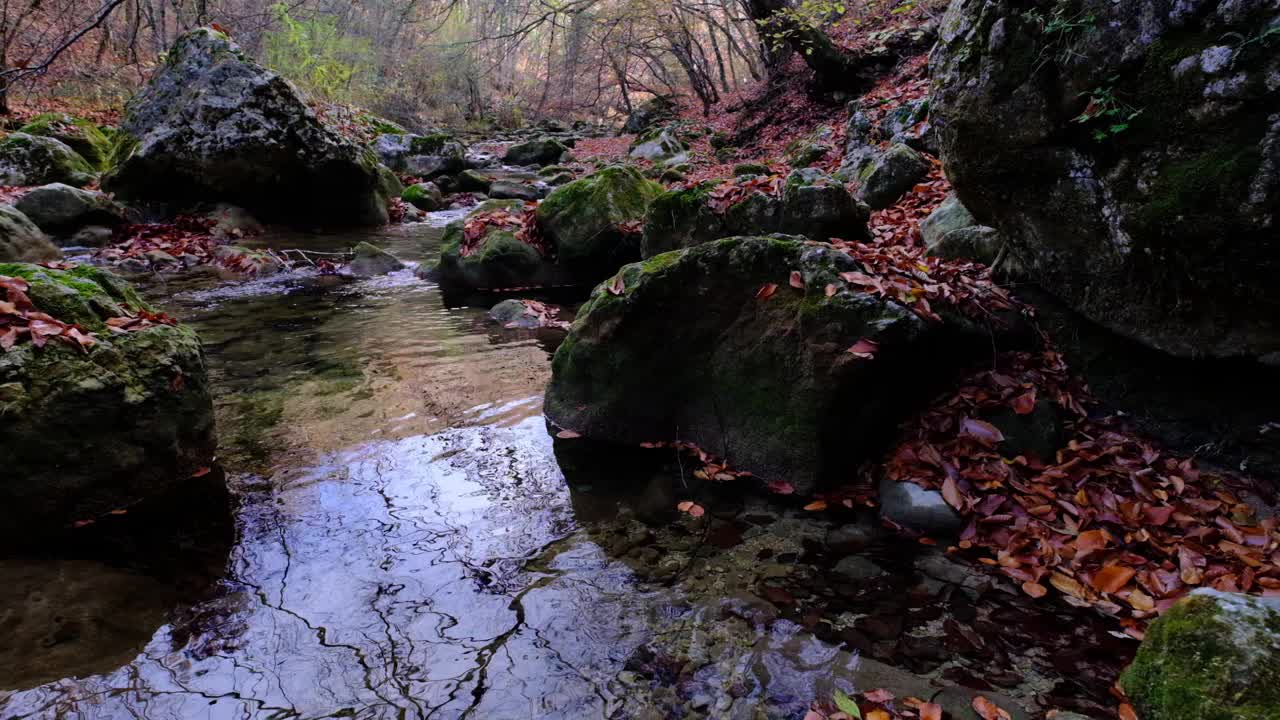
[[407, 541]]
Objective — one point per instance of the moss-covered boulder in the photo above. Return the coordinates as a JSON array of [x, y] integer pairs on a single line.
[[892, 174], [586, 220], [543, 151], [713, 345], [79, 134], [212, 125], [35, 160], [498, 259], [651, 112], [424, 196], [90, 432], [1213, 656], [810, 203], [369, 260], [21, 240], [61, 209], [1130, 154], [661, 146]]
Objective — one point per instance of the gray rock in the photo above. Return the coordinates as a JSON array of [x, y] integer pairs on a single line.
[[212, 125], [918, 509], [1126, 217], [92, 236], [424, 196], [855, 569], [848, 539], [36, 160], [472, 181], [21, 240], [507, 190], [372, 261], [543, 151], [808, 154], [445, 159], [659, 109], [59, 208], [890, 176], [951, 215], [661, 147]]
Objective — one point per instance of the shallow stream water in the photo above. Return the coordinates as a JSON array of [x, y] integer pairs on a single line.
[[407, 541]]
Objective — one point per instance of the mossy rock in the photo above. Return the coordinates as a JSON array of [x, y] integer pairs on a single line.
[[79, 134], [90, 432], [36, 160], [21, 240], [500, 261], [681, 218], [688, 350], [424, 196], [543, 151], [582, 219], [553, 170], [1213, 656], [744, 169]]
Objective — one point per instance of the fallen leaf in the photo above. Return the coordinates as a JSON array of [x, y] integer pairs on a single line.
[[1035, 590], [865, 349], [568, 435], [981, 430], [617, 286], [1091, 541], [930, 711], [693, 508], [878, 715], [847, 705], [1025, 403], [951, 494], [816, 506], [1112, 578], [201, 472], [797, 280], [880, 696], [767, 291], [988, 710], [1126, 712], [781, 487]]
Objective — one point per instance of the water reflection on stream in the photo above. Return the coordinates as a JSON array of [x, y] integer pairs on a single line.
[[409, 546]]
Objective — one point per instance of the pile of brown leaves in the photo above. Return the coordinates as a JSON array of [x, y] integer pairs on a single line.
[[523, 224], [908, 276], [1113, 522], [133, 321], [20, 321], [882, 704], [187, 237], [900, 224]]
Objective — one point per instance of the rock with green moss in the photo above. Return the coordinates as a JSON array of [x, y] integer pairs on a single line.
[[371, 261], [21, 240], [61, 209], [79, 134], [560, 179], [424, 196], [891, 175], [686, 346], [745, 169], [1129, 153], [553, 170], [1213, 656], [543, 151], [657, 110], [807, 154], [213, 126], [811, 203], [661, 146], [86, 433], [515, 190], [472, 181], [496, 260], [425, 156], [35, 160], [586, 220]]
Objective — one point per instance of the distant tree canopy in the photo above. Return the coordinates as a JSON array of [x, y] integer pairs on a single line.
[[449, 60]]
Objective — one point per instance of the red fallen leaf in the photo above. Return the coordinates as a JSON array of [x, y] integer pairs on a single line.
[[767, 291], [988, 710], [930, 711], [864, 349], [693, 508], [1091, 541], [880, 696], [816, 506], [617, 286], [781, 487], [797, 280], [1035, 590], [1025, 404], [201, 472], [82, 523], [121, 511], [952, 495], [980, 430], [568, 435], [1112, 578], [1126, 712]]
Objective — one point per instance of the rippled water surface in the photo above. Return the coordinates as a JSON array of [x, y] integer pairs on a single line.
[[409, 543]]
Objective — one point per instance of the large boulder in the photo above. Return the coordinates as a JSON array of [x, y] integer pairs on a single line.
[[810, 203], [1130, 154], [426, 156], [543, 151], [21, 241], [1213, 656], [952, 233], [662, 146], [79, 134], [651, 112], [35, 160], [714, 345], [91, 430], [369, 260], [425, 196], [891, 175], [61, 209], [212, 125], [587, 220]]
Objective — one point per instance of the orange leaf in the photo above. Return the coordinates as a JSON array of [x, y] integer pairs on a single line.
[[767, 291], [1090, 541], [816, 506], [692, 508], [797, 280], [930, 711], [878, 715], [832, 290], [1025, 404], [201, 472], [980, 430], [880, 696], [1126, 712], [988, 710], [1112, 578], [1035, 590]]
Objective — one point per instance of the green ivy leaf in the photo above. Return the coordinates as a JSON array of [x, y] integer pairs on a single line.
[[847, 705]]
